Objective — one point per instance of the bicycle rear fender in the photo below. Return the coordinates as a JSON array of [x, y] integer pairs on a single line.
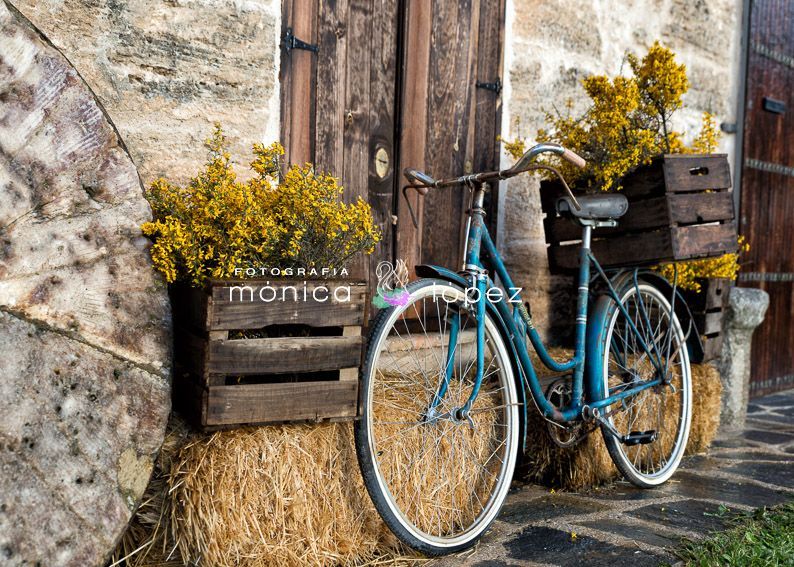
[[596, 327], [442, 273]]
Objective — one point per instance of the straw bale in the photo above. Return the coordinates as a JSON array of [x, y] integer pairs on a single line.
[[293, 494], [279, 495], [588, 464]]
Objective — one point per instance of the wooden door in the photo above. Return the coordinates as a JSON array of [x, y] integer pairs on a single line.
[[451, 116], [388, 84], [339, 101], [767, 189]]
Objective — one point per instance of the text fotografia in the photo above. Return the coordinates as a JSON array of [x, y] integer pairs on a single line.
[[290, 272], [305, 292]]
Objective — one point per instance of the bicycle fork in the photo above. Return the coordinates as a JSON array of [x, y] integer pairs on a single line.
[[479, 280]]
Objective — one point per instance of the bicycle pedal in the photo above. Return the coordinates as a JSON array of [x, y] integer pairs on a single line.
[[639, 437]]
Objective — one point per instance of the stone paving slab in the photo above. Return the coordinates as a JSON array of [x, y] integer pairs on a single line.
[[624, 525]]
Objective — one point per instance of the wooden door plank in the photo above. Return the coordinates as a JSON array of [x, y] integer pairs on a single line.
[[333, 41], [413, 125], [384, 26], [447, 127], [297, 79], [488, 104]]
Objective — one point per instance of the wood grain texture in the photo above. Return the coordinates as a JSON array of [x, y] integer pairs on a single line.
[[268, 403], [298, 77], [767, 198], [283, 355], [692, 172], [672, 215], [415, 80], [228, 312]]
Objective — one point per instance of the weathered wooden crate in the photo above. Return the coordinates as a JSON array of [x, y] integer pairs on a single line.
[[708, 310], [301, 364], [680, 207]]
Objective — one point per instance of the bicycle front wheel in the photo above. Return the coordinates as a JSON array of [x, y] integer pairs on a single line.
[[437, 478], [654, 424]]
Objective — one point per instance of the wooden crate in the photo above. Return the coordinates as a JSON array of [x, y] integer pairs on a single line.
[[708, 310], [680, 207], [223, 380]]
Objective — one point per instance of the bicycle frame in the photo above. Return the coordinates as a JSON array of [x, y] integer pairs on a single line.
[[519, 323]]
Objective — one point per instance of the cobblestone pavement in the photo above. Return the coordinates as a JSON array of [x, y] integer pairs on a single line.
[[623, 525]]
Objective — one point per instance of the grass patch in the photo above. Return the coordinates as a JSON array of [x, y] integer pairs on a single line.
[[763, 537]]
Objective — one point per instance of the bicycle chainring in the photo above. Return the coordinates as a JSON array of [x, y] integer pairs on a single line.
[[559, 394]]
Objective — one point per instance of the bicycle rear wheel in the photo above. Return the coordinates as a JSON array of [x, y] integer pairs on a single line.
[[437, 479], [657, 419]]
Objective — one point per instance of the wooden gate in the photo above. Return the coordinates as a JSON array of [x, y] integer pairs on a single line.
[[372, 86], [767, 188]]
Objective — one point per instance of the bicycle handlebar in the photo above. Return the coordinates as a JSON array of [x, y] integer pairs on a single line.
[[422, 182]]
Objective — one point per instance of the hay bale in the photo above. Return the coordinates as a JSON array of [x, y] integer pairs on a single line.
[[706, 406], [279, 495], [293, 495], [588, 464]]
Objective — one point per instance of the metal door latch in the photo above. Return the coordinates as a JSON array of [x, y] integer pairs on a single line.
[[496, 86], [290, 42]]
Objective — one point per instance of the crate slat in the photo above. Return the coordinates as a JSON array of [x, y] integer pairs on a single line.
[[703, 240], [227, 311], [692, 172], [690, 208], [712, 348], [708, 323], [250, 403], [712, 296], [283, 355]]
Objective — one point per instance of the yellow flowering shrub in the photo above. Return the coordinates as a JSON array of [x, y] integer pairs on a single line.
[[217, 224], [627, 125]]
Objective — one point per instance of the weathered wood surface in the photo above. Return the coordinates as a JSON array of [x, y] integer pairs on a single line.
[[767, 191], [283, 355], [680, 208], [707, 308], [297, 401], [84, 322], [313, 304], [327, 351]]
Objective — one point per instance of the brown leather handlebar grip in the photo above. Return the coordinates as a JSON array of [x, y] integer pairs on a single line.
[[422, 190], [574, 158]]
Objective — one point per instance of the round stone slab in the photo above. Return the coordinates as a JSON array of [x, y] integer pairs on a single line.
[[84, 320]]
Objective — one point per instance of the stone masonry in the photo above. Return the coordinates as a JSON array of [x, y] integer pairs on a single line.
[[165, 71]]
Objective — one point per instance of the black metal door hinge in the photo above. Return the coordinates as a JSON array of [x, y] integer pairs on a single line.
[[290, 42], [496, 86]]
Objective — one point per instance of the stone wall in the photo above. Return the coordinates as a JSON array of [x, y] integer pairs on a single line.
[[550, 47], [165, 71]]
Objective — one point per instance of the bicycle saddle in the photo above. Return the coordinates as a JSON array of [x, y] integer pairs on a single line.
[[601, 206]]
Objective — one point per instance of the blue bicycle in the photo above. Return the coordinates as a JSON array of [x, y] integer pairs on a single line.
[[447, 380]]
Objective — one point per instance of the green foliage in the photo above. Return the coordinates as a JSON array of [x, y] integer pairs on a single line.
[[765, 537]]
